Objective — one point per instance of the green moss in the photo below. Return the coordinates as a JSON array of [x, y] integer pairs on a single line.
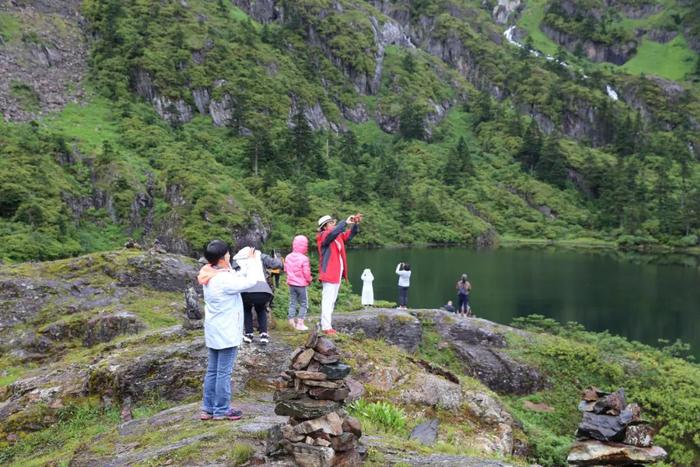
[[10, 27], [75, 424], [26, 95]]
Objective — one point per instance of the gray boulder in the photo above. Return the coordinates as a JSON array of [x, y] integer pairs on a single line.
[[599, 453], [192, 308], [498, 371], [175, 371], [396, 327], [426, 432], [479, 344], [601, 427], [106, 326], [433, 391], [158, 271]]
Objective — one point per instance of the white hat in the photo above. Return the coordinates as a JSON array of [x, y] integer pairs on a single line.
[[323, 221]]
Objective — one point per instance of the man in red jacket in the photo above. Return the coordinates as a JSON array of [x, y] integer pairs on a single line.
[[332, 262]]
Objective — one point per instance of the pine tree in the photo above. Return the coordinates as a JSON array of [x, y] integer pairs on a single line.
[[606, 122], [551, 166], [625, 143], [387, 182], [260, 152], [302, 148], [411, 124], [531, 147], [483, 110], [459, 164], [349, 150], [409, 63], [302, 205]]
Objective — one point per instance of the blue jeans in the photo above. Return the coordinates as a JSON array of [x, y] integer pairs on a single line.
[[217, 381]]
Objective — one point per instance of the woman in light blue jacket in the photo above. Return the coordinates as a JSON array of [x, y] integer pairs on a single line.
[[223, 328]]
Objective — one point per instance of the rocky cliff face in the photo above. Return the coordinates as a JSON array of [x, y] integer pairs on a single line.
[[506, 11], [594, 51], [44, 62]]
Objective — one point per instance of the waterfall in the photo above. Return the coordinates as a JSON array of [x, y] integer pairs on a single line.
[[508, 34]]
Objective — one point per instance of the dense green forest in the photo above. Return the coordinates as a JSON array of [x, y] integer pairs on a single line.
[[205, 119]]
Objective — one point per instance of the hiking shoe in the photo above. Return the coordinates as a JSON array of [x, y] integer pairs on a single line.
[[248, 338], [264, 338], [330, 332], [231, 414], [301, 326], [204, 415], [292, 323]]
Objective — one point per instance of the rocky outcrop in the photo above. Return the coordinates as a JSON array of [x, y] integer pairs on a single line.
[[174, 371], [264, 11], [394, 326], [313, 114], [481, 348], [45, 70], [355, 114], [630, 9], [506, 10], [164, 272], [175, 111], [617, 53], [661, 35], [638, 93], [106, 326]]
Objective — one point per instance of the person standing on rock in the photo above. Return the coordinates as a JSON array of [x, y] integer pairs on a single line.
[[404, 272], [223, 328], [332, 262], [463, 289], [298, 270], [367, 289], [260, 294]]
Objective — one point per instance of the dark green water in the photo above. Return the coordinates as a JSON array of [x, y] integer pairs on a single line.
[[640, 299]]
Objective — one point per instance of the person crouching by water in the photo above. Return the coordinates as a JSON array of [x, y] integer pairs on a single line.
[[223, 328], [333, 264], [259, 294], [463, 289], [298, 270], [404, 272]]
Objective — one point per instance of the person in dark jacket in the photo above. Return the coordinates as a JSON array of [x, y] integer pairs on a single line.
[[330, 240], [259, 295]]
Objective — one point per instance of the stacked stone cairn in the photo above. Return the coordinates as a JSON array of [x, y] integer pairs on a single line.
[[612, 432], [312, 392]]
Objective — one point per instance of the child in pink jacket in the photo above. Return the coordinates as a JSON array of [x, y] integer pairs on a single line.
[[298, 270]]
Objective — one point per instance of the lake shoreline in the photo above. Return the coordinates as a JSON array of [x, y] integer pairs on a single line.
[[516, 242]]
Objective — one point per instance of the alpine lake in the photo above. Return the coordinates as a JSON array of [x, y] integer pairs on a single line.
[[641, 297]]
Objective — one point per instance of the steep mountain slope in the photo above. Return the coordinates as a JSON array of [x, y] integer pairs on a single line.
[[248, 119]]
